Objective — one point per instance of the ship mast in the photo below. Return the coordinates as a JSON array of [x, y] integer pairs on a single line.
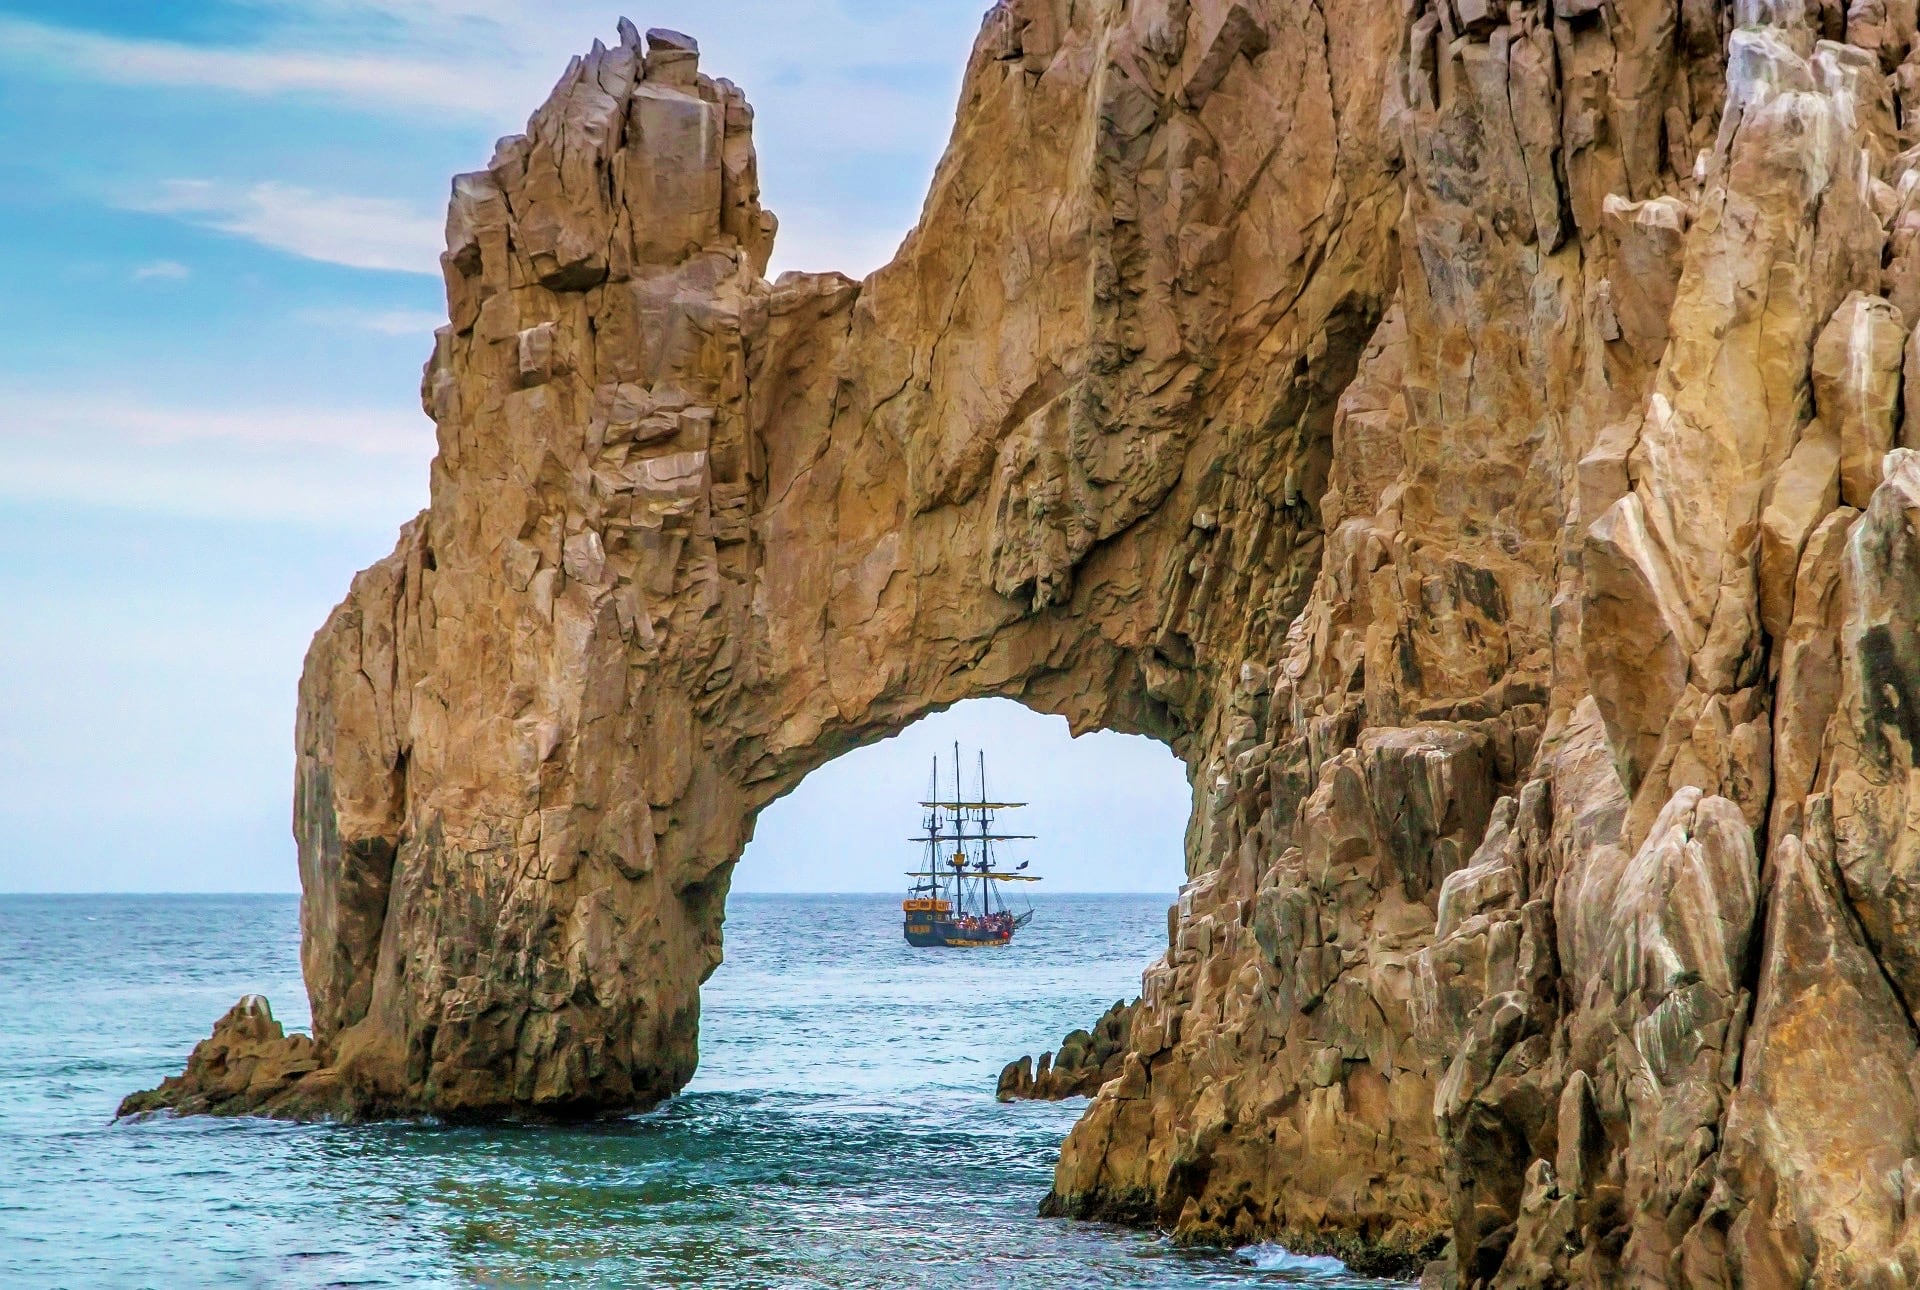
[[960, 828], [987, 893], [972, 855], [986, 860], [933, 834]]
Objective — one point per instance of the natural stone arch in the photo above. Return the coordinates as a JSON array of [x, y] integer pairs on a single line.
[[693, 534]]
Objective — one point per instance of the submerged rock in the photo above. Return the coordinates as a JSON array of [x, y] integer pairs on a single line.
[[1476, 438]]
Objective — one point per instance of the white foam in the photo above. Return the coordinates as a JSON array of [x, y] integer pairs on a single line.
[[1268, 1257]]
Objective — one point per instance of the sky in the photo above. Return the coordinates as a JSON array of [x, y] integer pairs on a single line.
[[219, 230]]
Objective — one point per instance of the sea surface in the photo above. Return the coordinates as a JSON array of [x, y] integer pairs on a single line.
[[841, 1131]]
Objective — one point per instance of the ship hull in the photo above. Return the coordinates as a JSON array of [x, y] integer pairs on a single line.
[[957, 941], [945, 935]]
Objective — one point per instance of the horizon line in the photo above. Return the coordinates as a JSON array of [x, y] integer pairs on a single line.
[[1057, 891]]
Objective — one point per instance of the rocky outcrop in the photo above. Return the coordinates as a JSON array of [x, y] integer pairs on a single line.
[[1085, 1060], [1476, 438], [249, 1065]]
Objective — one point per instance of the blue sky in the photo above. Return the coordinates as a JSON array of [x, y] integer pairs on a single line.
[[218, 230]]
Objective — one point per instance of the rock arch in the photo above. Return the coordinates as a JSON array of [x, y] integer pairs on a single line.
[[1466, 433], [694, 533]]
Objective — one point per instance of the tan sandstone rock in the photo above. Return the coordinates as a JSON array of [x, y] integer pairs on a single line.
[[1085, 1060], [1460, 431], [249, 1065]]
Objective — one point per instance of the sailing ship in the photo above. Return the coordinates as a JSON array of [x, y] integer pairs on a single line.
[[956, 898]]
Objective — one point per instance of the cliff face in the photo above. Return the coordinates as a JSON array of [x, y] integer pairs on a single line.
[[1474, 437]]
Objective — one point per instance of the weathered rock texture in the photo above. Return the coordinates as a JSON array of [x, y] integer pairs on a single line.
[[1085, 1060], [249, 1065], [1474, 437]]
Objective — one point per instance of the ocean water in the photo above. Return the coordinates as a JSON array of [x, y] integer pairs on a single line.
[[841, 1131]]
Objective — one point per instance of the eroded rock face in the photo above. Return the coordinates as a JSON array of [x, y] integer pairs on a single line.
[[249, 1065], [1475, 437], [1085, 1060]]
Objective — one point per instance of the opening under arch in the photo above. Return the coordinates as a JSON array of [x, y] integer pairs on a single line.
[[1108, 810], [819, 995]]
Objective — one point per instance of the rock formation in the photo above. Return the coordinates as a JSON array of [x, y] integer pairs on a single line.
[[1085, 1060], [250, 1065], [1476, 438]]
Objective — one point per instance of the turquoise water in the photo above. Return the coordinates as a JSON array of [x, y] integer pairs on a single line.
[[841, 1132]]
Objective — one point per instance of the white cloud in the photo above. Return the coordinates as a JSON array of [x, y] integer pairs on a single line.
[[362, 77], [162, 270], [102, 419], [418, 323], [334, 466], [335, 228], [850, 99]]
